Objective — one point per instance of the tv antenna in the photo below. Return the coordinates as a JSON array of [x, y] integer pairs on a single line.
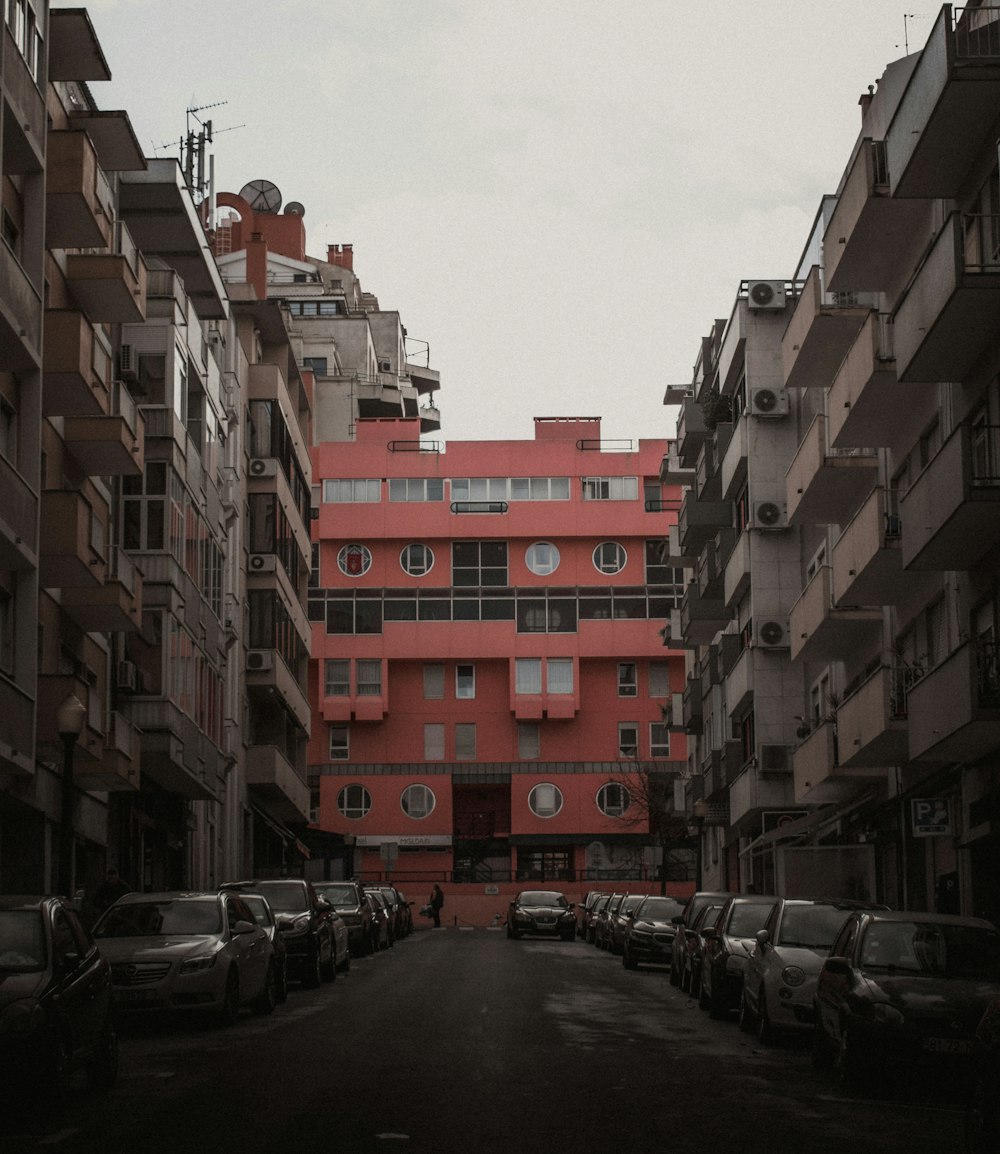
[[194, 149]]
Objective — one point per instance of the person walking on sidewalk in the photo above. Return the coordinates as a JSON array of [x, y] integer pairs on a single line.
[[436, 902]]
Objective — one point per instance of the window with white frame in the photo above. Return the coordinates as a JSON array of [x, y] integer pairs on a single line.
[[610, 488], [433, 741], [416, 488], [528, 740], [659, 739], [351, 490], [628, 684], [659, 679], [465, 682], [610, 557], [340, 743], [539, 488], [541, 558], [354, 801], [337, 678], [613, 799], [417, 801], [628, 739], [465, 741], [479, 488], [368, 677], [559, 674], [545, 799], [416, 559], [354, 560], [433, 682], [528, 675]]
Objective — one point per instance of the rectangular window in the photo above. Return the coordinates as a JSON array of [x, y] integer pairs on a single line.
[[433, 741], [659, 739], [528, 740], [539, 488], [479, 563], [465, 741], [610, 488], [317, 364], [560, 675], [352, 490], [416, 489], [627, 679], [465, 681], [338, 678], [433, 682], [659, 679], [628, 739], [528, 675], [340, 746], [368, 675]]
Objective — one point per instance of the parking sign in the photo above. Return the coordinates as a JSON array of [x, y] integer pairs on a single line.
[[930, 816]]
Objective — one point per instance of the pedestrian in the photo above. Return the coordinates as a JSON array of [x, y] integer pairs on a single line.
[[436, 902], [110, 890]]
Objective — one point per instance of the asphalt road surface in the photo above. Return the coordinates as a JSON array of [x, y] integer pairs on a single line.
[[459, 1041]]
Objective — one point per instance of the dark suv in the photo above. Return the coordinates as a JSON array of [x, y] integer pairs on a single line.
[[348, 899]]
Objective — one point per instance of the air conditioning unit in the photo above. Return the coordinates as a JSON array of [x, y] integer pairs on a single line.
[[773, 759], [262, 467], [260, 660], [385, 366], [128, 363], [128, 677], [769, 402], [766, 294], [893, 525], [770, 634], [769, 515], [261, 563]]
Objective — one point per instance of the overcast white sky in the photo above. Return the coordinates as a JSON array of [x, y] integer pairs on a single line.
[[558, 195]]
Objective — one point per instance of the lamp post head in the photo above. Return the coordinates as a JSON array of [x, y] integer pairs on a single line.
[[70, 717]]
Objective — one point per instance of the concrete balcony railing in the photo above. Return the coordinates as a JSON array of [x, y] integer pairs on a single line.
[[954, 710], [672, 470], [71, 541], [692, 432], [821, 631], [76, 367], [693, 709], [948, 108], [110, 286], [753, 792], [676, 553], [18, 518], [115, 606], [867, 559], [266, 672], [78, 212], [111, 445], [822, 328], [737, 575], [951, 513], [20, 314], [825, 486], [17, 729], [701, 618], [872, 722], [699, 521], [740, 681], [273, 781], [674, 713], [816, 771], [172, 753], [117, 767]]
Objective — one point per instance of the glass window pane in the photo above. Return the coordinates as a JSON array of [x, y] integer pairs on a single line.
[[433, 741], [465, 741], [528, 675], [560, 675]]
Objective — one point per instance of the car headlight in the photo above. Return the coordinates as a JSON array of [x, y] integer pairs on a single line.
[[196, 965], [793, 975], [568, 914], [299, 926], [640, 935], [21, 1017]]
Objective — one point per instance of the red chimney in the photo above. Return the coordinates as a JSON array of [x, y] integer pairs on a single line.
[[341, 255]]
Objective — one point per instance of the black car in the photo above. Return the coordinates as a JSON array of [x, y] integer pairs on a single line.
[[982, 1112], [617, 923], [56, 1011], [726, 950], [348, 899], [685, 921], [541, 912], [649, 933], [606, 913], [307, 925], [585, 909]]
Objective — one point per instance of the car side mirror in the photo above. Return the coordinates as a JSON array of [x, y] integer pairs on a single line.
[[284, 924], [839, 966], [69, 961], [762, 937], [323, 905], [242, 927], [678, 919]]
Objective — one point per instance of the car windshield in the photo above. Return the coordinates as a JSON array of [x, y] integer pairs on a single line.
[[747, 919], [541, 898], [286, 897], [378, 900], [160, 919], [259, 909], [810, 927], [339, 895], [706, 917], [932, 949], [659, 909], [22, 941]]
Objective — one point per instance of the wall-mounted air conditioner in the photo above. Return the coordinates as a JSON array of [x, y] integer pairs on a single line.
[[766, 294], [128, 364], [127, 680], [262, 467], [769, 515], [259, 660], [770, 633], [771, 403], [261, 563]]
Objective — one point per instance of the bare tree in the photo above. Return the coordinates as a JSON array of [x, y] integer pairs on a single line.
[[646, 803]]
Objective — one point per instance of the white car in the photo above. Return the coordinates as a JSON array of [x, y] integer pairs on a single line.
[[188, 951], [780, 979]]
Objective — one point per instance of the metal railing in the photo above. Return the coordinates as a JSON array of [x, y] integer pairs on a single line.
[[976, 32], [985, 455]]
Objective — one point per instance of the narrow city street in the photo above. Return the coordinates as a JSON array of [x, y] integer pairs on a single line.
[[463, 1040]]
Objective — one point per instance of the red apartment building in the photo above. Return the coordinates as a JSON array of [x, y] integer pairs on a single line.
[[489, 677]]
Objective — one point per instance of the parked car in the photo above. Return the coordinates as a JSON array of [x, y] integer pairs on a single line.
[[592, 916], [781, 973], [694, 946], [541, 912], [315, 937], [982, 1111], [617, 924], [684, 921], [385, 921], [649, 933], [726, 950], [904, 990], [348, 899], [56, 1010], [264, 915], [602, 926], [396, 905], [200, 952], [407, 913], [584, 909]]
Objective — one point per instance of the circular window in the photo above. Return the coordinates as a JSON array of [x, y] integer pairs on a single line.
[[542, 558], [545, 800], [354, 801], [610, 557], [354, 560], [417, 801], [613, 799], [417, 560]]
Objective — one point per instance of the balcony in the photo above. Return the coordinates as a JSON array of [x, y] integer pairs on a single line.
[[733, 470], [79, 205], [53, 689], [817, 776], [24, 116], [947, 318], [712, 564], [674, 713], [117, 766], [71, 542], [693, 709], [954, 710], [175, 752], [274, 677], [699, 521], [825, 486], [868, 560], [871, 240], [18, 519], [76, 367], [701, 618], [113, 607], [952, 511], [674, 553], [752, 792], [692, 432], [110, 286], [949, 106], [821, 631], [273, 781], [712, 774], [672, 470], [737, 575], [20, 314], [739, 683], [112, 445], [822, 328], [17, 729], [871, 722]]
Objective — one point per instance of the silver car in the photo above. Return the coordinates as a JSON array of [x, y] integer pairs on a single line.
[[188, 951]]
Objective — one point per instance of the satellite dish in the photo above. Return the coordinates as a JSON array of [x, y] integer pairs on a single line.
[[293, 208], [262, 195]]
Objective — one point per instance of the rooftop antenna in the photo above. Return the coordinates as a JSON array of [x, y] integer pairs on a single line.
[[194, 149]]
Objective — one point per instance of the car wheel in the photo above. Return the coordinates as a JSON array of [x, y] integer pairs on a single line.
[[312, 973], [628, 961], [745, 1021], [269, 995], [765, 1031], [345, 965], [230, 1008], [102, 1073]]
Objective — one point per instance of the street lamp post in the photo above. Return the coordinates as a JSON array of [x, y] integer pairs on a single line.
[[699, 811], [70, 717]]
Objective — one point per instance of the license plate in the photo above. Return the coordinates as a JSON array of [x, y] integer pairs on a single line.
[[947, 1046], [135, 996]]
